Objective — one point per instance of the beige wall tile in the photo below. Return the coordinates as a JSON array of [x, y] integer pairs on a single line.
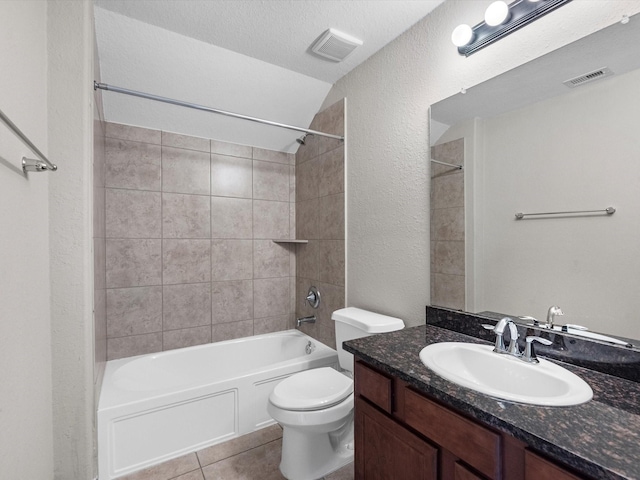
[[447, 191], [133, 165], [307, 217], [270, 297], [231, 218], [129, 132], [307, 180], [331, 172], [233, 149], [134, 311], [271, 181], [133, 214], [134, 345], [307, 259], [99, 263], [448, 291], [231, 260], [273, 156], [332, 300], [187, 305], [331, 261], [270, 259], [231, 301], [307, 151], [270, 219], [447, 224], [292, 183], [185, 171], [99, 212], [187, 337], [185, 141], [270, 324], [133, 262], [229, 331], [186, 216], [186, 261], [448, 258], [331, 217], [231, 176]]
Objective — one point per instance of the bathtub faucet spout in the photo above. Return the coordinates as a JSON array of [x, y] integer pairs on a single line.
[[309, 319]]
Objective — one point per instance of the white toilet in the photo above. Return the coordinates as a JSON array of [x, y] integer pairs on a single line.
[[315, 407]]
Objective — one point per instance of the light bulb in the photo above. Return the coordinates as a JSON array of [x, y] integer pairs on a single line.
[[462, 35], [496, 13]]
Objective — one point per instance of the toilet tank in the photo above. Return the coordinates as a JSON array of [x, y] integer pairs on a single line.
[[352, 322]]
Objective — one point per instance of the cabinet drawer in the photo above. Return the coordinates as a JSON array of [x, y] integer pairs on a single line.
[[374, 386], [475, 445], [537, 468], [460, 472]]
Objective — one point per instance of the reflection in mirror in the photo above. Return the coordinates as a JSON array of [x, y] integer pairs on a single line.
[[530, 144]]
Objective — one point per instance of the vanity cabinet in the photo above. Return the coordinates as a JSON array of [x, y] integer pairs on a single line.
[[403, 434]]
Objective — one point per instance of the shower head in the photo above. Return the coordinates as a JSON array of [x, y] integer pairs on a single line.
[[303, 138]]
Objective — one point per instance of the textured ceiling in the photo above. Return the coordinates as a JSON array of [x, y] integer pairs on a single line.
[[246, 56]]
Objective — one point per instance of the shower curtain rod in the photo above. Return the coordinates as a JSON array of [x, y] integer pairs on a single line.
[[148, 96]]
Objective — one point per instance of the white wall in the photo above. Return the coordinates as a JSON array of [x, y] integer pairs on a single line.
[[26, 443], [573, 152], [70, 87], [387, 150]]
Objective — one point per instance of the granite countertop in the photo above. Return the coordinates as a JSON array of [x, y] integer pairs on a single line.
[[600, 438]]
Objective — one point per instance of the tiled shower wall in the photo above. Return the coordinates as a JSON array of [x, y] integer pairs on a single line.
[[447, 226], [189, 251], [320, 219], [99, 236]]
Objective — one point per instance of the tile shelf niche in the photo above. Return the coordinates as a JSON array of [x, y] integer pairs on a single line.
[[287, 240]]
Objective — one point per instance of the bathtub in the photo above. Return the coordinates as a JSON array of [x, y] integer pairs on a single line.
[[156, 407]]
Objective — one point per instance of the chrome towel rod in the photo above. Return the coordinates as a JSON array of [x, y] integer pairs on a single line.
[[459, 167], [148, 96], [608, 211], [28, 164]]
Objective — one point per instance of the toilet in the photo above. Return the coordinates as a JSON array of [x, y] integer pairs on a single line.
[[315, 407]]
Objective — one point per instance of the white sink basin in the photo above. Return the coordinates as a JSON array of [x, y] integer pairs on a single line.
[[479, 368]]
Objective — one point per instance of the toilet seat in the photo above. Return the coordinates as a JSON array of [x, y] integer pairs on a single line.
[[314, 389]]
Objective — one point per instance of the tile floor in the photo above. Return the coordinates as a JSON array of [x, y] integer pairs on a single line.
[[255, 456]]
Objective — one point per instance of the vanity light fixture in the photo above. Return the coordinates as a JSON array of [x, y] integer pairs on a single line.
[[500, 20]]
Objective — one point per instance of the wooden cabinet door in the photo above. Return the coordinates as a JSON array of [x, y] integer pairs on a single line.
[[538, 468], [385, 450]]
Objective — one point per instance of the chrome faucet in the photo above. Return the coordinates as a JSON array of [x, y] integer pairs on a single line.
[[553, 312], [529, 353], [309, 319], [498, 329]]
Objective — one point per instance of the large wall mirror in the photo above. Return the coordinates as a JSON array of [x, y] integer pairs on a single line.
[[531, 144]]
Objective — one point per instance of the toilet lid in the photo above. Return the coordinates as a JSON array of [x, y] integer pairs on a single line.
[[312, 390]]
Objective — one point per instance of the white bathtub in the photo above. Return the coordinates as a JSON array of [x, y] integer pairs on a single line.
[[156, 407]]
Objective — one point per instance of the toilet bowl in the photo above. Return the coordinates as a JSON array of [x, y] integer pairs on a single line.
[[315, 407]]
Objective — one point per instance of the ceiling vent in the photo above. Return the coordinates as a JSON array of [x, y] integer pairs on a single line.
[[588, 77], [335, 45]]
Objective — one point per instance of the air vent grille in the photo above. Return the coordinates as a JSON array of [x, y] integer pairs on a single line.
[[588, 77], [335, 45]]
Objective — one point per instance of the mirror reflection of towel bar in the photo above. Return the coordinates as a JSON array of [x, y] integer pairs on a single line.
[[459, 167], [608, 211]]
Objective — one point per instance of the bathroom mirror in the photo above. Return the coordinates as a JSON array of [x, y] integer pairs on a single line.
[[531, 144]]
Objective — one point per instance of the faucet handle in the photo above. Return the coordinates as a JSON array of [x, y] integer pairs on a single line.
[[499, 345], [529, 353]]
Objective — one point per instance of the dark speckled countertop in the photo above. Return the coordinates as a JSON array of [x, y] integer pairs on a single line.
[[600, 438]]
